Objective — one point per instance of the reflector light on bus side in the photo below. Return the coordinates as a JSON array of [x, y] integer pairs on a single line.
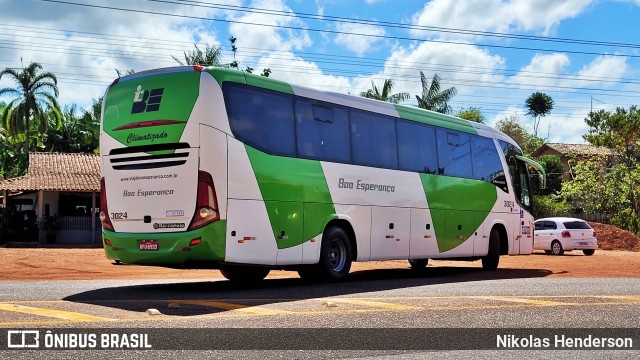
[[207, 203], [104, 213]]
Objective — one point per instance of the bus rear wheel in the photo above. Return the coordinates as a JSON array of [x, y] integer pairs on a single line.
[[335, 257], [418, 264], [490, 262], [246, 274]]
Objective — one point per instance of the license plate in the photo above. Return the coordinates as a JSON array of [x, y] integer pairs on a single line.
[[584, 243], [147, 245]]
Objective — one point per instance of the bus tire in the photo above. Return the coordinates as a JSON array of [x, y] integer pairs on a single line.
[[490, 262], [245, 274], [335, 255], [418, 264]]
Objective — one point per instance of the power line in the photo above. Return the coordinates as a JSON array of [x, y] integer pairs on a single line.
[[336, 31]]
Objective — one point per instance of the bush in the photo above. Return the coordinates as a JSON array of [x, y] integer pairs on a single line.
[[550, 205], [627, 219]]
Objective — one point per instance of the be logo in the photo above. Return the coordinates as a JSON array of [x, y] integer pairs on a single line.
[[145, 100]]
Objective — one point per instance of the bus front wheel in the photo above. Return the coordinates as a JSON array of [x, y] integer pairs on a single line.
[[246, 274], [490, 262]]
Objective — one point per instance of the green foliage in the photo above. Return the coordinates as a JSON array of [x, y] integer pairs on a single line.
[[471, 114], [209, 57], [514, 129], [618, 131], [538, 104], [432, 97], [627, 219], [79, 132], [554, 169], [385, 94], [234, 64], [550, 205], [34, 107]]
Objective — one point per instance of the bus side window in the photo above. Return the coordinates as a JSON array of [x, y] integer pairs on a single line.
[[261, 118], [486, 162], [322, 131], [454, 153], [373, 139], [417, 147]]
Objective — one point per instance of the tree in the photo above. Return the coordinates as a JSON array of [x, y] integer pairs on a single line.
[[538, 104], [514, 129], [385, 94], [554, 169], [471, 114], [432, 98], [79, 132], [34, 103], [234, 64], [620, 132], [209, 57]]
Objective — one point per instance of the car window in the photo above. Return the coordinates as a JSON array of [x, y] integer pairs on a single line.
[[539, 225], [571, 225], [550, 225]]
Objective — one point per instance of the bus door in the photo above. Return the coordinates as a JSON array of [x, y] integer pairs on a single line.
[[521, 210]]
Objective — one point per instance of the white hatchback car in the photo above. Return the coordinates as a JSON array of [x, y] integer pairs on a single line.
[[556, 235]]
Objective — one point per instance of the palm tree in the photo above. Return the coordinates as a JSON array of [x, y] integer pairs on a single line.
[[434, 99], [385, 94], [538, 104], [34, 102], [209, 57]]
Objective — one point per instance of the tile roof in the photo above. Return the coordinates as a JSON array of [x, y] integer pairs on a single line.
[[58, 172], [576, 149]]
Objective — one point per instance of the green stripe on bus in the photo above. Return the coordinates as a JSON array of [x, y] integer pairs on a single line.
[[419, 115], [222, 75], [289, 188], [458, 207]]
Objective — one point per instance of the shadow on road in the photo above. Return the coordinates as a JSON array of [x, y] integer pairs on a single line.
[[272, 291]]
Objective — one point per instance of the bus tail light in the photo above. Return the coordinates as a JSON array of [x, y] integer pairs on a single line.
[[104, 211], [566, 234], [207, 203]]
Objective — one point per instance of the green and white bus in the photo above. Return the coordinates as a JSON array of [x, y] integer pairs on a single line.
[[216, 168]]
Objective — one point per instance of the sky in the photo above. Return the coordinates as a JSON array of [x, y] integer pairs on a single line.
[[584, 54]]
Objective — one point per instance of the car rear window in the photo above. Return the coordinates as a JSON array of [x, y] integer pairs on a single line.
[[572, 225]]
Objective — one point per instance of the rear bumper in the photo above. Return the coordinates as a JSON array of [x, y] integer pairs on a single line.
[[173, 248], [582, 244]]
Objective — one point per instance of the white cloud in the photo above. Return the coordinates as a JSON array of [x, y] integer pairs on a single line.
[[459, 66], [497, 15], [295, 70], [540, 71], [357, 43], [85, 63], [264, 39], [546, 70]]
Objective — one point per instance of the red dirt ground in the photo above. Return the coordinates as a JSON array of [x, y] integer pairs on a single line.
[[91, 264]]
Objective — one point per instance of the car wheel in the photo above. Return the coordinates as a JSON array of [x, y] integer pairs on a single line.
[[417, 264], [490, 262], [589, 252], [556, 248], [245, 274]]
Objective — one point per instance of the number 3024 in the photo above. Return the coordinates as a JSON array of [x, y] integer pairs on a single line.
[[118, 216]]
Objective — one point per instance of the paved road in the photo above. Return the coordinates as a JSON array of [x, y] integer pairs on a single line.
[[382, 299]]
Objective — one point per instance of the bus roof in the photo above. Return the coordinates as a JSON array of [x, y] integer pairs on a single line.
[[412, 113]]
